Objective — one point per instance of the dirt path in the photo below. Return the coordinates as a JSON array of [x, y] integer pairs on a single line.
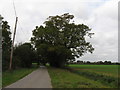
[[37, 79]]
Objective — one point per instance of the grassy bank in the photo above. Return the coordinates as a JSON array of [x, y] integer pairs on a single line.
[[9, 77], [62, 78]]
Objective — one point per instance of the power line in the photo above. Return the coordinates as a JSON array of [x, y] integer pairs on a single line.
[[15, 11], [14, 8], [21, 29]]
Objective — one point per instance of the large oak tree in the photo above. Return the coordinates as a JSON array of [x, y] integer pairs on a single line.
[[60, 40]]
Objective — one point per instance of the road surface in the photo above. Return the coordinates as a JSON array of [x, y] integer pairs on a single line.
[[37, 79]]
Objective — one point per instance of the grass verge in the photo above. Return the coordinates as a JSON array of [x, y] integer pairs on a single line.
[[62, 78], [9, 77]]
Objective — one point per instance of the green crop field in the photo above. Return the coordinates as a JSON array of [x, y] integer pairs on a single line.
[[106, 69], [85, 76], [106, 74]]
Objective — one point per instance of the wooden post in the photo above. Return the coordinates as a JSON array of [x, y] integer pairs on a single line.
[[11, 55]]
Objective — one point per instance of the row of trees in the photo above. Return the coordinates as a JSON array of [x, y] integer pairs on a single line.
[[58, 42], [23, 55], [98, 62], [6, 44], [0, 43]]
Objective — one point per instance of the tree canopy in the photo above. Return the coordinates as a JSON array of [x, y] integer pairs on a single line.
[[60, 40], [6, 44], [23, 55]]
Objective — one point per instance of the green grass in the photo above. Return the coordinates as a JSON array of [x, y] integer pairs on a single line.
[[9, 77], [0, 80], [62, 78], [105, 69], [107, 74]]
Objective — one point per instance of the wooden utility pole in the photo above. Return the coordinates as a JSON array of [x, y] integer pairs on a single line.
[[11, 55]]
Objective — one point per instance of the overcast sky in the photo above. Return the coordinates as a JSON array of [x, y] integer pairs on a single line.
[[100, 15]]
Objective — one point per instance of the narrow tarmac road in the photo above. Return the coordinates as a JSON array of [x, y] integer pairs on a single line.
[[37, 79]]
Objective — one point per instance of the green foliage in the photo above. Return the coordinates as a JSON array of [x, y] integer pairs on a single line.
[[6, 44], [62, 40], [23, 55], [58, 55]]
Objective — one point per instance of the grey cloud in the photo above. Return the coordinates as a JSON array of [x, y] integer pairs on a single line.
[[99, 15]]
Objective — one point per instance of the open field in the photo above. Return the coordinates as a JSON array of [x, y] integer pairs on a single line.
[[106, 74], [9, 77], [106, 69], [85, 76]]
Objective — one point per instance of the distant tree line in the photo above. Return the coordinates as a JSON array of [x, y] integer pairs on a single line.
[[97, 63]]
